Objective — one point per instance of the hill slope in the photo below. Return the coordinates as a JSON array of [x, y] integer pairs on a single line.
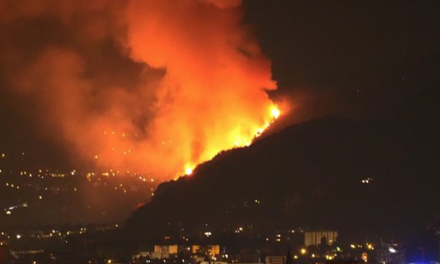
[[310, 175]]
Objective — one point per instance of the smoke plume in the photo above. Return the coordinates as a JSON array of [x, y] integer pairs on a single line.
[[153, 86]]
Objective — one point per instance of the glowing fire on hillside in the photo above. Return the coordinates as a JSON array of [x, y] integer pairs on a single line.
[[243, 140], [147, 86]]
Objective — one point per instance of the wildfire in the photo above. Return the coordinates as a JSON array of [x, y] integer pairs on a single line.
[[188, 171], [275, 112], [244, 140], [193, 82]]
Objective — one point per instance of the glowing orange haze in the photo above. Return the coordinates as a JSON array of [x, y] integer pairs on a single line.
[[210, 96]]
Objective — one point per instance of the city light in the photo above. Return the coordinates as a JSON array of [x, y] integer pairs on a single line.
[[162, 132]]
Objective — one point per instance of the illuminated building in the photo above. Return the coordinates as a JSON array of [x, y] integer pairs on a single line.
[[167, 249], [315, 238], [390, 253], [212, 250], [164, 252]]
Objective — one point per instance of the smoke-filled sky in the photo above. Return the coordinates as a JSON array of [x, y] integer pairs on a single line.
[[154, 86], [354, 58], [160, 85]]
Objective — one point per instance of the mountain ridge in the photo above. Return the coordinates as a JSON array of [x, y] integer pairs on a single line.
[[308, 175]]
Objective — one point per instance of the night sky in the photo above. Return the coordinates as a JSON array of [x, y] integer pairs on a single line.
[[356, 59], [350, 57], [347, 58]]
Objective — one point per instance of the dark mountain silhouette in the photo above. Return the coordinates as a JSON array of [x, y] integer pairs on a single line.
[[310, 175]]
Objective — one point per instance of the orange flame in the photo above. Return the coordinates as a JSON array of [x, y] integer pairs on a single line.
[[242, 140], [192, 81]]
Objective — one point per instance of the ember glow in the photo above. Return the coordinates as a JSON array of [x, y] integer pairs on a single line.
[[188, 170], [182, 80]]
